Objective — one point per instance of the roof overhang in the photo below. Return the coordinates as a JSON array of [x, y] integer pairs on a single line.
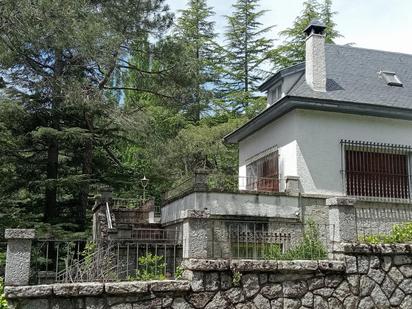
[[281, 74], [289, 103]]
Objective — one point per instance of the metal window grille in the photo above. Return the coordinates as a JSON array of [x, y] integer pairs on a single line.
[[263, 174], [376, 169]]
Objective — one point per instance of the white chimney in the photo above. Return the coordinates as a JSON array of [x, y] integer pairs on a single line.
[[315, 70]]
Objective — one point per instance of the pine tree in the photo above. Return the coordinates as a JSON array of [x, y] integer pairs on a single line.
[[292, 50], [58, 59], [246, 50], [195, 30]]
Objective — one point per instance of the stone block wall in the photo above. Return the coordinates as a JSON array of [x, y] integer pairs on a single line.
[[364, 277]]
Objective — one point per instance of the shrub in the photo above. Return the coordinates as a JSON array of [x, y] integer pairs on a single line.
[[310, 248], [151, 267], [400, 233], [3, 301]]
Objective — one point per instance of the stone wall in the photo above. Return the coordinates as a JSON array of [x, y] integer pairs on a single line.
[[364, 277]]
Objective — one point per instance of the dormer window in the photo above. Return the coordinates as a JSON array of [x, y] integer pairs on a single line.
[[275, 94], [391, 78]]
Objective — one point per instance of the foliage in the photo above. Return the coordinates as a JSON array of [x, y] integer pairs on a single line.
[[309, 248], [292, 49], [237, 276], [400, 233], [151, 267], [179, 272], [3, 301], [245, 52]]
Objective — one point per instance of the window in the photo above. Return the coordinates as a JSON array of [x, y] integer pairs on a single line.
[[391, 78], [376, 170], [263, 174], [276, 94]]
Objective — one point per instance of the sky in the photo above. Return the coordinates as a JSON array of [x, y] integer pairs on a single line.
[[375, 24]]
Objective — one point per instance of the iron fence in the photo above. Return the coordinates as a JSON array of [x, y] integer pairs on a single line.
[[269, 240], [380, 220], [226, 183], [151, 252]]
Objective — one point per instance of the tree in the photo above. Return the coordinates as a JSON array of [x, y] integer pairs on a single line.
[[292, 50], [58, 59], [246, 50], [195, 31]]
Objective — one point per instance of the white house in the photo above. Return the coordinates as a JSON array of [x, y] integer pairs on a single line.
[[341, 123]]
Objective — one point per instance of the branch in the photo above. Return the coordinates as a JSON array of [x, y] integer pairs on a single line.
[[141, 90]]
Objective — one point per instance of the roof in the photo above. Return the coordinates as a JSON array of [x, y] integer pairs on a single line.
[[352, 80]]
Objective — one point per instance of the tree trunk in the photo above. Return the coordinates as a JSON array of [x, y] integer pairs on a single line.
[[50, 211], [84, 190]]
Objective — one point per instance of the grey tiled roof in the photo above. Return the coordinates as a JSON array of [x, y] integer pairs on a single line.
[[352, 76]]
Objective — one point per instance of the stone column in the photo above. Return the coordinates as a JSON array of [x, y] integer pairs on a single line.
[[342, 220], [195, 230], [200, 180], [18, 256], [292, 184]]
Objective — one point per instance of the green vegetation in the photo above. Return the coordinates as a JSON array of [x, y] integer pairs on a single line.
[[179, 272], [237, 276], [96, 93], [3, 301], [309, 248], [151, 267], [400, 233]]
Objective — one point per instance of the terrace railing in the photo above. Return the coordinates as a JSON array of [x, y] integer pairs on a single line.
[[274, 240], [218, 182], [112, 260]]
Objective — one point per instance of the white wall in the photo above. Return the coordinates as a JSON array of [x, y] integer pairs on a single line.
[[309, 144], [281, 133]]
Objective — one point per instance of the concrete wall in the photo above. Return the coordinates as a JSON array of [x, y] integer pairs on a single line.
[[233, 204], [309, 144], [366, 277]]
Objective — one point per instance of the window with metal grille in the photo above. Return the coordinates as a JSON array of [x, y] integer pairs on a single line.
[[263, 174], [376, 169]]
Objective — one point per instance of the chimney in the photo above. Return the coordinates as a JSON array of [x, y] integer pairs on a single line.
[[315, 56]]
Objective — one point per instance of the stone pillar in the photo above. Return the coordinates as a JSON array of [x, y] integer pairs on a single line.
[[292, 184], [18, 256], [342, 220], [200, 180], [195, 230]]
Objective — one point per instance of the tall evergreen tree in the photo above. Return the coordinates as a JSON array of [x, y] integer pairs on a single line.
[[196, 32], [246, 50], [58, 59], [292, 50]]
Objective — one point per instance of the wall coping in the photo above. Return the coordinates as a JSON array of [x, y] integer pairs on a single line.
[[384, 249], [19, 234], [96, 288], [245, 265]]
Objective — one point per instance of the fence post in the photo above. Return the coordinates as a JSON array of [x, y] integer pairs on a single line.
[[342, 218], [200, 180], [195, 230], [18, 256], [292, 184]]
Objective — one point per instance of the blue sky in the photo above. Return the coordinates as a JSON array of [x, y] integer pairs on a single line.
[[376, 24]]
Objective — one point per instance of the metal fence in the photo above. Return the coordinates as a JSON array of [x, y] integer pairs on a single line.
[[380, 220], [268, 240], [225, 183], [151, 252]]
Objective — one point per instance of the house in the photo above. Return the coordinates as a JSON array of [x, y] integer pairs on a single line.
[[341, 123], [332, 147]]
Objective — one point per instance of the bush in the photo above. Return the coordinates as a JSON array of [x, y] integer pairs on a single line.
[[151, 267], [3, 301], [400, 233], [310, 248]]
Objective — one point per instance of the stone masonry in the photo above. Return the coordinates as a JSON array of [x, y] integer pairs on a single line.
[[364, 277]]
